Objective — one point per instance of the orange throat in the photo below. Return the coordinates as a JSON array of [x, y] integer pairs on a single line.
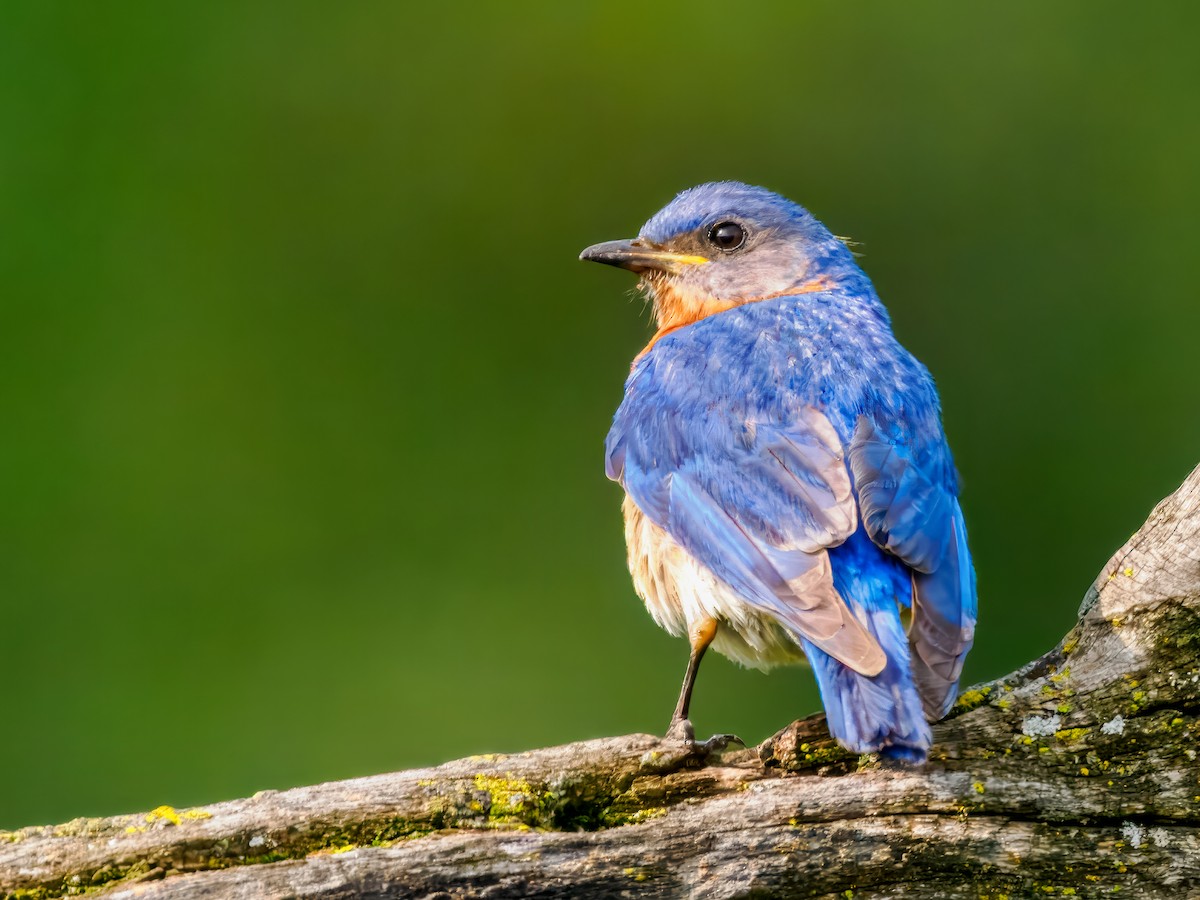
[[673, 308]]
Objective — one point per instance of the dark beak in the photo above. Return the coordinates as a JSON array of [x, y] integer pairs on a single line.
[[638, 256]]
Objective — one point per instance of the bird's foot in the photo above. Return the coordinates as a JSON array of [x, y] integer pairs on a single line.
[[682, 730]]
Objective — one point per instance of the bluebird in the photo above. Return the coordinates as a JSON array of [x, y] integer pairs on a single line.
[[789, 491]]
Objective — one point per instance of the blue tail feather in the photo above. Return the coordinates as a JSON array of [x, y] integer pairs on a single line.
[[882, 713]]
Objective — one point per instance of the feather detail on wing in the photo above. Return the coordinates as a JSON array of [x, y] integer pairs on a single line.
[[910, 513], [758, 504]]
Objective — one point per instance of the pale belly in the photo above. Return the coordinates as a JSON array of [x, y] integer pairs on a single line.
[[679, 591]]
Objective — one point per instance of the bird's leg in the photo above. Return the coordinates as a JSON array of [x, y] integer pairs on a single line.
[[700, 635]]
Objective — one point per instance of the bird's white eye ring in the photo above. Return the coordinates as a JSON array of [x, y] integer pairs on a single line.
[[727, 236]]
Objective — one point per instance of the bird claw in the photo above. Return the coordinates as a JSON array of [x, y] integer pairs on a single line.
[[682, 730], [716, 744]]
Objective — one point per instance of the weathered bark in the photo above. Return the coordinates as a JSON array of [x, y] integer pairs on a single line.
[[1076, 775]]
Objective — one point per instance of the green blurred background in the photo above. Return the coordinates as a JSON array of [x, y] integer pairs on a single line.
[[304, 391]]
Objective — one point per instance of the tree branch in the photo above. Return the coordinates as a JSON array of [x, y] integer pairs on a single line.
[[1076, 775]]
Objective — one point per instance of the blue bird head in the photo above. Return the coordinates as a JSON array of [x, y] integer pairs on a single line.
[[723, 244]]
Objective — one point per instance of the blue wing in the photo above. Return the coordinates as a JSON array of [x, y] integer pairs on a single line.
[[757, 502], [910, 512]]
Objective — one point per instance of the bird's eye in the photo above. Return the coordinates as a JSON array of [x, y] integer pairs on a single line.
[[727, 236]]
